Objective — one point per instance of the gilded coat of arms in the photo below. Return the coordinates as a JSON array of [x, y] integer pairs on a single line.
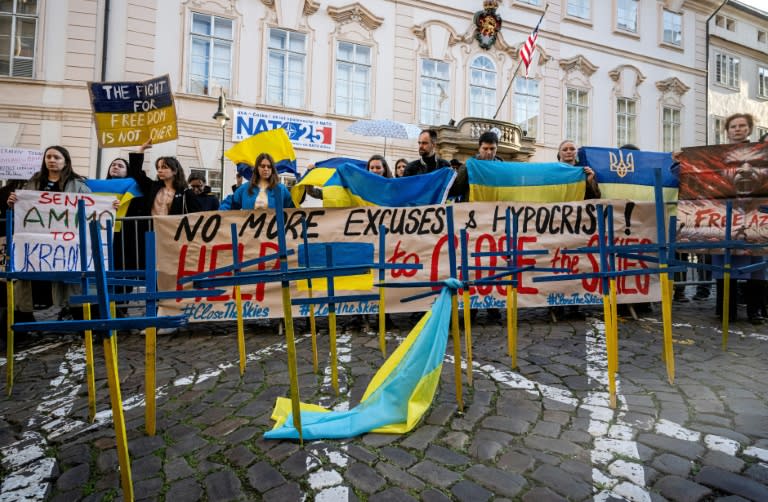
[[488, 23]]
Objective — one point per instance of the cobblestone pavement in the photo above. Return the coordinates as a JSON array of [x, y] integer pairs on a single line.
[[543, 433]]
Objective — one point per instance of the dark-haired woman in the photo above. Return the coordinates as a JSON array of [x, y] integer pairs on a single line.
[[263, 189], [377, 164], [400, 168], [168, 195], [55, 175], [128, 242]]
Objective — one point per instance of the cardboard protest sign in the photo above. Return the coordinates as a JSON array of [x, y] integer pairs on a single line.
[[130, 113], [198, 242], [712, 175], [45, 230], [19, 163]]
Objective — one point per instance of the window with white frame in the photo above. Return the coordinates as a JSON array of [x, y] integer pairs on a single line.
[[482, 87], [626, 121], [526, 105], [435, 92], [578, 8], [673, 27], [286, 68], [530, 2], [576, 114], [727, 70], [353, 79], [211, 54], [18, 35], [626, 15], [762, 82], [762, 36], [718, 132], [670, 121], [760, 132]]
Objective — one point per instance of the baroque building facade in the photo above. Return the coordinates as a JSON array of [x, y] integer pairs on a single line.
[[605, 73]]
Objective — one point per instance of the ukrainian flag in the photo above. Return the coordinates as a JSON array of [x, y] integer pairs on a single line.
[[346, 185], [629, 174], [397, 397], [124, 189], [274, 142], [524, 182]]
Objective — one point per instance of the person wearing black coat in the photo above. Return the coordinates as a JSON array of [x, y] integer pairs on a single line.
[[168, 194]]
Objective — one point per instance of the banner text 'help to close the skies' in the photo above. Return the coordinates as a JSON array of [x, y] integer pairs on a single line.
[[199, 242]]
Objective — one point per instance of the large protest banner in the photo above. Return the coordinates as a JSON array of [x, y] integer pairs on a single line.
[[45, 234], [712, 175], [198, 242], [19, 163], [130, 113]]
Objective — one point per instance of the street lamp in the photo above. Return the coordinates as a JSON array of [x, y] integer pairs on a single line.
[[222, 118]]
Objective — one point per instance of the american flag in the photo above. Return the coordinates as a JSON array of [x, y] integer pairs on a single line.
[[526, 51]]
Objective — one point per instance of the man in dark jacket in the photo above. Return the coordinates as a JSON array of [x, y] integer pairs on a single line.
[[428, 160], [203, 193]]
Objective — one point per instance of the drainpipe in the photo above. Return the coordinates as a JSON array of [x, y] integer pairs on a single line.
[[706, 101], [104, 47]]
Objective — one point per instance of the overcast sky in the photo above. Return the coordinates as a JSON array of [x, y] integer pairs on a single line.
[[760, 4]]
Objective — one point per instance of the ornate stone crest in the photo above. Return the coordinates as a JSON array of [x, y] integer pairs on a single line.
[[488, 23]]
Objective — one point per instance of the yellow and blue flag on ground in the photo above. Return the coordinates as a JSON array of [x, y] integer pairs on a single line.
[[124, 189], [629, 174], [396, 398], [524, 182], [346, 185], [274, 142]]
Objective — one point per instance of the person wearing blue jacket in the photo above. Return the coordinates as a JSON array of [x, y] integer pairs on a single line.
[[262, 190]]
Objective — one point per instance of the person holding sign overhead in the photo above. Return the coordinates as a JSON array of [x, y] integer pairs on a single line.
[[262, 190], [168, 195], [55, 175]]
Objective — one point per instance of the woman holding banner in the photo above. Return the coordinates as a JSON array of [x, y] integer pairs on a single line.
[[169, 194], [263, 189], [566, 153], [55, 175]]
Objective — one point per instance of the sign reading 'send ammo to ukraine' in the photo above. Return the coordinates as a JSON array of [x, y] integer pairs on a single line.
[[130, 113]]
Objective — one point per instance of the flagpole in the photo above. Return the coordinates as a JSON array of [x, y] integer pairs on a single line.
[[514, 75]]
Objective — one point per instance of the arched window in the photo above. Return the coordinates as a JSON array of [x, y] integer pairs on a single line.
[[482, 88]]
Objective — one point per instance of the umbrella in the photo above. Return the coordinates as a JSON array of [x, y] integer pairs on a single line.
[[385, 129]]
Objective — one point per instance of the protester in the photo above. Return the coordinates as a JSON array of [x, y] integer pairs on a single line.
[[263, 189], [738, 128], [238, 182], [128, 242], [55, 175], [168, 195], [400, 168], [487, 146], [567, 154], [377, 164], [208, 202], [428, 160]]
